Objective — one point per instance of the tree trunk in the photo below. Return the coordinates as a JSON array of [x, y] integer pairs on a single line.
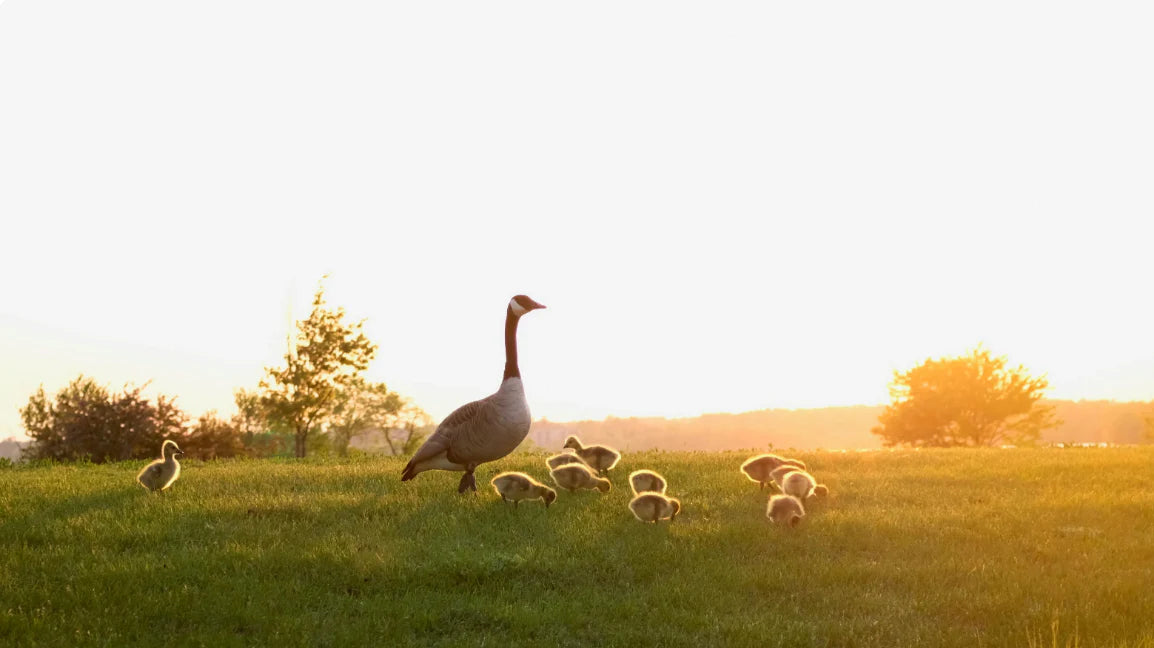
[[301, 446]]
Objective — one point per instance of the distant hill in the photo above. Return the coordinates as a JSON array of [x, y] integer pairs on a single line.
[[827, 427]]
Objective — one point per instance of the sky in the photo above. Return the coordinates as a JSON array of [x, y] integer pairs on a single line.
[[725, 206]]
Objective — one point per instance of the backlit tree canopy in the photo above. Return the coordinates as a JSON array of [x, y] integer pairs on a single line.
[[327, 356], [972, 400], [88, 421]]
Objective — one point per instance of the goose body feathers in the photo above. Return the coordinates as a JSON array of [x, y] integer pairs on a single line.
[[517, 486], [785, 509], [576, 476], [644, 481], [599, 457], [651, 507]]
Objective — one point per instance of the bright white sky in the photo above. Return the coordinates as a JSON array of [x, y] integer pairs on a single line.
[[726, 206]]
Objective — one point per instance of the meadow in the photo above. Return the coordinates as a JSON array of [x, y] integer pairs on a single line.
[[1027, 547]]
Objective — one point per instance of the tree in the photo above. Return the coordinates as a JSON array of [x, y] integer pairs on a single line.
[[261, 436], [86, 421], [327, 357], [360, 406], [972, 400], [213, 438], [408, 431]]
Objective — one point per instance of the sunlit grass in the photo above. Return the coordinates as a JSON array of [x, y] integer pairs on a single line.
[[949, 548]]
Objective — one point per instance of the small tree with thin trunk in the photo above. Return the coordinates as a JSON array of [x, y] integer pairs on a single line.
[[362, 406], [327, 356], [409, 430], [972, 400]]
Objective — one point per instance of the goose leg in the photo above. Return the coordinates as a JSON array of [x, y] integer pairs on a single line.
[[468, 481]]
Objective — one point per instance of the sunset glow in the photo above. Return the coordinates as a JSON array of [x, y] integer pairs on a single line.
[[743, 214]]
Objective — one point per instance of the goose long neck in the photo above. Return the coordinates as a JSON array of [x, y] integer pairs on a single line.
[[511, 368]]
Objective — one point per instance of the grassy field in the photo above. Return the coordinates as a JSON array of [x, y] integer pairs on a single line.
[[930, 548]]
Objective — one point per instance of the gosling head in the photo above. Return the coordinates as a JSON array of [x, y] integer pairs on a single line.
[[820, 490], [521, 304], [793, 520], [169, 446], [550, 496], [603, 485], [572, 442], [676, 508]]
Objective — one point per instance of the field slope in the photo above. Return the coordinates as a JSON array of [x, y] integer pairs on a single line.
[[941, 548]]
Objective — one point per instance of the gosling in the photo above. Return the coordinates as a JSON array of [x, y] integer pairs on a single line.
[[802, 485], [161, 473], [779, 473], [562, 459], [644, 481], [785, 509], [758, 468], [575, 475], [516, 486], [600, 458], [651, 507]]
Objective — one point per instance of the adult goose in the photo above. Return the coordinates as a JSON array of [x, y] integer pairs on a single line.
[[484, 430]]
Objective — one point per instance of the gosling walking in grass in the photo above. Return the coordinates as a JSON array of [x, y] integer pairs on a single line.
[[161, 474], [651, 507], [516, 486], [779, 473], [785, 509], [562, 459], [646, 481], [577, 476], [802, 485], [599, 457], [759, 467]]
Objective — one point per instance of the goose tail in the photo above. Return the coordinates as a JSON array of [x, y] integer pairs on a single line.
[[409, 472]]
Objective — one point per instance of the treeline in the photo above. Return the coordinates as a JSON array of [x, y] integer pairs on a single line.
[[244, 434], [319, 400], [828, 427], [88, 421]]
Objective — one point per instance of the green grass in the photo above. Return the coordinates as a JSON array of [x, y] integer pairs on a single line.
[[930, 548]]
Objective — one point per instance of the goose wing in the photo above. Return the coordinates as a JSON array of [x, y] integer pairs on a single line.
[[442, 439], [150, 474]]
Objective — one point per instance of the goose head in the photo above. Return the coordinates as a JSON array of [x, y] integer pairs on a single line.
[[550, 496], [521, 304], [676, 506], [572, 443]]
